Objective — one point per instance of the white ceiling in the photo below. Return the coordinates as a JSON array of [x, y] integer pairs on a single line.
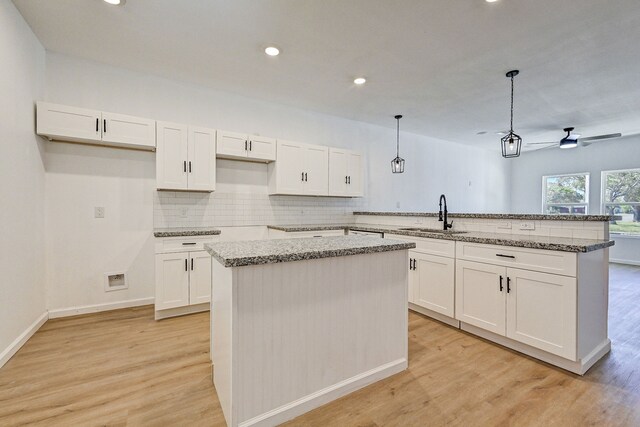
[[441, 63]]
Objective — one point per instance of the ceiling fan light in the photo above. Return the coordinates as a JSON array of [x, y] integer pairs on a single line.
[[568, 143]]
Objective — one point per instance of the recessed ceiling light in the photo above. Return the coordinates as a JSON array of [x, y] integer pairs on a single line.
[[360, 81], [115, 2], [272, 51], [491, 1]]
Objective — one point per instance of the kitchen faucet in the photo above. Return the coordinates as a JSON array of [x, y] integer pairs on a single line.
[[446, 225]]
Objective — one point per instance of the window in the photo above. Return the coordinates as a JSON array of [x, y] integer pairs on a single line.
[[621, 198], [565, 194]]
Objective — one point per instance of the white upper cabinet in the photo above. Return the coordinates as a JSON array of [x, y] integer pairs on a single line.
[[315, 162], [64, 123], [201, 166], [240, 146], [185, 158], [345, 173], [118, 129], [301, 169], [68, 123]]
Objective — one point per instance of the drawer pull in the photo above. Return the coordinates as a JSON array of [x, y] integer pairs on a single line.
[[189, 244], [506, 256]]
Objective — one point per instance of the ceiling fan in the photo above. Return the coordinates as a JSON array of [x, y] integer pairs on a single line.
[[572, 140]]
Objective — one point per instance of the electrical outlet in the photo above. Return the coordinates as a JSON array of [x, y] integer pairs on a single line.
[[528, 225], [183, 212], [397, 205], [504, 225], [98, 212]]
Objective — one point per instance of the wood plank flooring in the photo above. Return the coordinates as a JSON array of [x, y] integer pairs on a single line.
[[122, 368]]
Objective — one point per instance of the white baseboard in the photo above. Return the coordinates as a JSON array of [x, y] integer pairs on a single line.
[[74, 311], [439, 317], [181, 311], [326, 395], [580, 366], [624, 261], [13, 348]]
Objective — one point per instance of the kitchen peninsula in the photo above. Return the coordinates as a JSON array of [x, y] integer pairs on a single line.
[[535, 283], [297, 323]]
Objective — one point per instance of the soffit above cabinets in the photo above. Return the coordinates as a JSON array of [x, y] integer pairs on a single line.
[[441, 63]]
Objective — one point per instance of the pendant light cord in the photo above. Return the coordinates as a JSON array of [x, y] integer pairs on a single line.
[[512, 104], [398, 138]]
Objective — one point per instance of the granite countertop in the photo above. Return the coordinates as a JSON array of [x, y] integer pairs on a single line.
[[530, 217], [255, 252], [563, 244], [311, 227], [185, 232]]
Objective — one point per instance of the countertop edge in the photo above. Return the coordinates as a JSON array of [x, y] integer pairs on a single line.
[[310, 255], [532, 217], [186, 233]]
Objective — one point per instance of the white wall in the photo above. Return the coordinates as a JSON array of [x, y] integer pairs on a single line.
[[528, 169], [80, 177], [22, 287]]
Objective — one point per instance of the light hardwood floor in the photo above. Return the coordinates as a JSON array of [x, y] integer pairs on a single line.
[[123, 368]]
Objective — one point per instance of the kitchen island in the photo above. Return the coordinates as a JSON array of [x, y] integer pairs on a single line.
[[297, 323]]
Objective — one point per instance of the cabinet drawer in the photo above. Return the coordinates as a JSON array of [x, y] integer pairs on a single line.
[[183, 244], [440, 247], [528, 259]]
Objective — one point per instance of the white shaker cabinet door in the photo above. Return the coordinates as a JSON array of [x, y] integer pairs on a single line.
[[316, 169], [434, 287], [338, 172], [262, 148], [172, 280], [541, 311], [68, 123], [355, 174], [128, 131], [200, 277], [201, 167], [289, 172], [172, 156], [481, 295], [232, 144]]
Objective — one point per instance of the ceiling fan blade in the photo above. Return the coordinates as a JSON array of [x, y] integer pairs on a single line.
[[540, 143], [600, 137]]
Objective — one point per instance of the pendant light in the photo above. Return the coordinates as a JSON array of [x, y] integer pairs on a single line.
[[511, 142], [397, 164]]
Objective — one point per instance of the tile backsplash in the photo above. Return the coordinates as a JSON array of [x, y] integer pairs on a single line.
[[187, 209]]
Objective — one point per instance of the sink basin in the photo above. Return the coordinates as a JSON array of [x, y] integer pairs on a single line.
[[431, 230]]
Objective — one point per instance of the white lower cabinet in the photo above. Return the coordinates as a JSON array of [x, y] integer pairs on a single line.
[[431, 282], [200, 278], [534, 308], [172, 280], [541, 311], [183, 276], [480, 297], [182, 279]]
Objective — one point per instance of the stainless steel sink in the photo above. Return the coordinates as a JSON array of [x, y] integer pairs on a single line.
[[431, 230]]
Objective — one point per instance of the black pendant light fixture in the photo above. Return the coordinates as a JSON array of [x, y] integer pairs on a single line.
[[397, 164], [511, 142]]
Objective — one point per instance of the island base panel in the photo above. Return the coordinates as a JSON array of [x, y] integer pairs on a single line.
[[292, 336]]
